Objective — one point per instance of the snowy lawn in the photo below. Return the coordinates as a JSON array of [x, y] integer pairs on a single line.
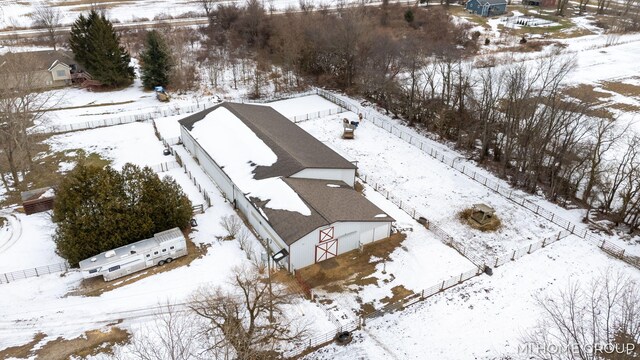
[[434, 189], [482, 318], [43, 304], [135, 143]]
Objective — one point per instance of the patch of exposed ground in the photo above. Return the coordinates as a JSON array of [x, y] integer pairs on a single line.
[[354, 267], [91, 343], [622, 88]]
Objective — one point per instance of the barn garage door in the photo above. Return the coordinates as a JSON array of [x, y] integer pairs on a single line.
[[326, 250]]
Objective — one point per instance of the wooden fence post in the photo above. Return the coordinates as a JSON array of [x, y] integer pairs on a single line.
[[513, 257], [529, 251]]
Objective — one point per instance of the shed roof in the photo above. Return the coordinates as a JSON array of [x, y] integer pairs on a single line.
[[493, 2], [295, 148], [330, 201], [44, 59]]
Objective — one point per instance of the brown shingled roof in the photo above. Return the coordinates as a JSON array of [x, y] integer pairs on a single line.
[[43, 59], [295, 148], [328, 204]]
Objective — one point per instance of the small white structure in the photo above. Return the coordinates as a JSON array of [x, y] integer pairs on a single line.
[[162, 248]]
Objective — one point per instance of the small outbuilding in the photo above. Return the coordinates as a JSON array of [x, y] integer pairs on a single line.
[[541, 3], [482, 213], [37, 200], [487, 7]]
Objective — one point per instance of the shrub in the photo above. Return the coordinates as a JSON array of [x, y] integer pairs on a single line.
[[99, 209]]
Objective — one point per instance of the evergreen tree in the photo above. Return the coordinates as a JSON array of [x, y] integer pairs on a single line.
[[96, 46], [99, 209], [155, 61], [79, 37]]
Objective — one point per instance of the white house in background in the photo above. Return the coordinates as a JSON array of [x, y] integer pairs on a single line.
[[162, 248], [294, 190], [46, 69]]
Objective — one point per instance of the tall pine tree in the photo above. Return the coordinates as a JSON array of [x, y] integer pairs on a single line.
[[96, 46], [156, 62]]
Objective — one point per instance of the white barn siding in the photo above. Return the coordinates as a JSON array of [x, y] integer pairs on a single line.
[[232, 193], [349, 235], [346, 175]]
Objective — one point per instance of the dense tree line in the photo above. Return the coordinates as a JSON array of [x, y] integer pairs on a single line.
[[348, 48], [515, 119], [99, 208]]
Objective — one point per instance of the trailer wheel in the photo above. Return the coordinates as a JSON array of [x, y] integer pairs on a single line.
[[161, 262], [169, 260]]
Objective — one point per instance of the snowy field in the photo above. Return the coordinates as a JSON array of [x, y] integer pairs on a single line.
[[43, 304], [483, 318], [433, 188], [18, 13]]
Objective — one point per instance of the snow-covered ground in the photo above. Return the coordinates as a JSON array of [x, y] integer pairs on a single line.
[[483, 318], [42, 304], [434, 189]]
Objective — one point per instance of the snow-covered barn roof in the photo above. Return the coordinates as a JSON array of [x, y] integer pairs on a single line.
[[295, 149], [329, 201], [259, 149]]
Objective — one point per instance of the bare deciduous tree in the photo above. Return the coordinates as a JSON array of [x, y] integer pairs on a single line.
[[171, 335], [22, 109], [48, 17], [249, 317], [580, 322], [232, 224]]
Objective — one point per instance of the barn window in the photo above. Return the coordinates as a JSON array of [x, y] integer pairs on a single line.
[[60, 73], [93, 271], [114, 268]]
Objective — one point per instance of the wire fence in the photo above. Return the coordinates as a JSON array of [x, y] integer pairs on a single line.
[[502, 189], [422, 295], [422, 219], [313, 342], [316, 115], [34, 272], [165, 166], [126, 119], [528, 249]]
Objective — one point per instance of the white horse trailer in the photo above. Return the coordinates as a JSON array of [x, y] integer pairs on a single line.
[[161, 249]]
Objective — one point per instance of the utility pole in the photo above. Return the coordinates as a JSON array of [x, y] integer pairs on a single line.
[[269, 279]]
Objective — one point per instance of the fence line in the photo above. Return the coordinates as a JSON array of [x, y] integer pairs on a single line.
[[34, 272], [505, 191], [316, 115], [202, 190], [165, 166], [437, 230], [323, 339], [126, 119], [422, 295], [528, 249]]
